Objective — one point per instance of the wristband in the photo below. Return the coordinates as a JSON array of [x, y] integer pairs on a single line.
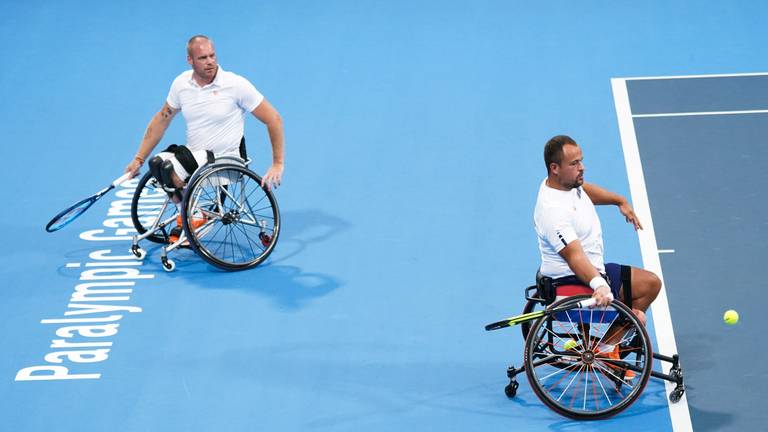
[[139, 158], [597, 282]]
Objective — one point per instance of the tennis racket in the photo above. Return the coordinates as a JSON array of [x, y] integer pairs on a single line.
[[509, 322], [75, 210]]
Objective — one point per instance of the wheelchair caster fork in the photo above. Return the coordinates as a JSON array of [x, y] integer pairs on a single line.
[[511, 389], [265, 238], [138, 252], [676, 373], [168, 264]]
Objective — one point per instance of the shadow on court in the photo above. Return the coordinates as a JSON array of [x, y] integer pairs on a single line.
[[290, 287]]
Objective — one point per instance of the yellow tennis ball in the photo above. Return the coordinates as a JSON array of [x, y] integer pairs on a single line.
[[570, 344], [731, 317]]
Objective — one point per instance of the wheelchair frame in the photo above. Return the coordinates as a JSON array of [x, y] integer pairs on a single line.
[[224, 205], [544, 346]]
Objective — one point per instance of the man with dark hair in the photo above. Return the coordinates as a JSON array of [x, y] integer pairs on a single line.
[[214, 103], [570, 234], [571, 238]]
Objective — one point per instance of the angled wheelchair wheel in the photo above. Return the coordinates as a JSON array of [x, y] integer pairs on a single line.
[[230, 220], [150, 207], [588, 364]]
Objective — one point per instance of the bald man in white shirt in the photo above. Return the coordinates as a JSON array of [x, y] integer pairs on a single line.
[[214, 104]]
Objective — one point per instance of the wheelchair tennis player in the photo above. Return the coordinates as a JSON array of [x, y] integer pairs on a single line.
[[214, 103], [570, 236]]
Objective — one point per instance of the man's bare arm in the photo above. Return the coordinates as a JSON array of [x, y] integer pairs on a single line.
[[154, 133], [577, 260], [268, 115], [601, 196]]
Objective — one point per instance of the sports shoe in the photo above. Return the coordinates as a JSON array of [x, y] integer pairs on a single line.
[[614, 355], [196, 223]]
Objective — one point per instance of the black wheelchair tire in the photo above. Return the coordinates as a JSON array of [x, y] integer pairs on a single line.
[[530, 355], [160, 237], [195, 242]]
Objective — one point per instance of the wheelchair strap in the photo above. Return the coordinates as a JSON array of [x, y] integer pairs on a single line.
[[626, 283], [184, 156], [243, 152]]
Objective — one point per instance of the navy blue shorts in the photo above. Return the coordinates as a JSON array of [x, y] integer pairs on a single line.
[[613, 273]]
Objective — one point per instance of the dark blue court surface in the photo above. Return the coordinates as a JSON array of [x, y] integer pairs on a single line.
[[414, 141], [704, 168]]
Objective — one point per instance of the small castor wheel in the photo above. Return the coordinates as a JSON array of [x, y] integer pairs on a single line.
[[265, 238], [511, 389], [676, 394], [138, 252], [168, 264]]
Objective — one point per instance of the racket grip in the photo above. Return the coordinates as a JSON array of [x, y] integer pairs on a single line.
[[591, 301], [122, 179]]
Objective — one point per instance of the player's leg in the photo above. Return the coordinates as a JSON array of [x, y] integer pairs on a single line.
[[173, 168], [645, 288]]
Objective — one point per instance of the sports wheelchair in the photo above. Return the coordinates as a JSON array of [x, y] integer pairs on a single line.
[[584, 363], [228, 218]]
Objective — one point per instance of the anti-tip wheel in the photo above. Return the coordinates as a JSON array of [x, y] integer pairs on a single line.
[[138, 252], [168, 265], [511, 389], [676, 394]]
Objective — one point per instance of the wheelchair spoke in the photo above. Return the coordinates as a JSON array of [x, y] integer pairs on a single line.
[[548, 362], [609, 372], [575, 375], [602, 387], [250, 243]]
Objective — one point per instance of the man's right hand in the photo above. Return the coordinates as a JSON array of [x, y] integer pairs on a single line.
[[133, 167], [603, 295]]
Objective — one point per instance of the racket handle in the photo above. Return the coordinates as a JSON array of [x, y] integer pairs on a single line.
[[591, 301], [122, 179]]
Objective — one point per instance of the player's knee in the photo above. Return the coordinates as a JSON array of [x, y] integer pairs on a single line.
[[655, 284], [651, 285], [155, 165]]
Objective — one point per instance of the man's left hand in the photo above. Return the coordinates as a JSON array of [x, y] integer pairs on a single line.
[[273, 176], [629, 214]]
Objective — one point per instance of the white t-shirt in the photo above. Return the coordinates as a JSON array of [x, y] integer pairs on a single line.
[[215, 113], [561, 217]]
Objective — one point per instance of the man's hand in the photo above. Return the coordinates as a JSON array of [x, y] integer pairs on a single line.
[[133, 167], [603, 295], [273, 177], [629, 214]]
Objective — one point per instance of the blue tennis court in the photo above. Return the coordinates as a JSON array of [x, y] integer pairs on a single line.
[[414, 135]]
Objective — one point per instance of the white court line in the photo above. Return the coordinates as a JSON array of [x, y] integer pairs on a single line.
[[665, 337], [693, 76], [702, 113], [666, 251]]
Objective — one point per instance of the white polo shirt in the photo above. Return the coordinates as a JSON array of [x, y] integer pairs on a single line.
[[561, 217], [215, 113]]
